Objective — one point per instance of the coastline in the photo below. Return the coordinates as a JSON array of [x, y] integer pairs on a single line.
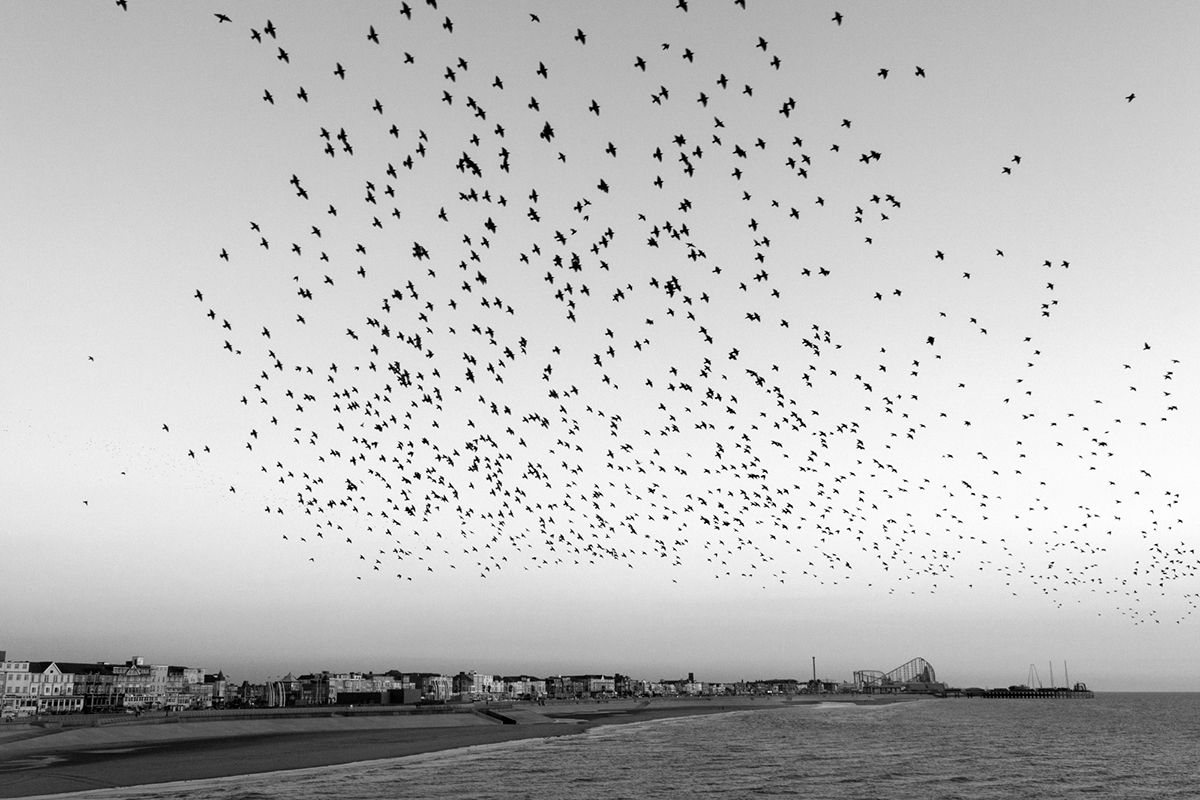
[[73, 760]]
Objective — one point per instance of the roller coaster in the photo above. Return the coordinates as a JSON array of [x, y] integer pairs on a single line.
[[916, 675]]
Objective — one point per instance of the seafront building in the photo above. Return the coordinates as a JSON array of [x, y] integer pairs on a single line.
[[329, 688], [36, 687], [523, 687], [64, 687]]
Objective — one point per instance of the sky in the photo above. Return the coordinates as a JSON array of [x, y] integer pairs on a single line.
[[649, 338]]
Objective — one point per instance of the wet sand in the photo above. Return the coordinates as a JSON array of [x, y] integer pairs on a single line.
[[34, 763]]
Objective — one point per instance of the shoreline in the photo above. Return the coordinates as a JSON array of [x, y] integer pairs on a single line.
[[81, 759]]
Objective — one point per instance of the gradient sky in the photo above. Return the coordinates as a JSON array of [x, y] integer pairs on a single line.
[[1058, 525]]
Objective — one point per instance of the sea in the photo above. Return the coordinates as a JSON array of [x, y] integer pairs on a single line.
[[1125, 745]]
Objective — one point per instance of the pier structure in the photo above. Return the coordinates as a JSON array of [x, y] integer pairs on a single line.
[[1078, 692]]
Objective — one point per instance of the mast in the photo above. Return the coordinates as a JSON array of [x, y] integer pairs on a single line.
[[1067, 677], [1051, 674]]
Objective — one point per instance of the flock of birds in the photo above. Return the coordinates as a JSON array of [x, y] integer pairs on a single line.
[[583, 308]]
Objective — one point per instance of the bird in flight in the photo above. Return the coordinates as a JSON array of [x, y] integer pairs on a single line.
[[432, 349]]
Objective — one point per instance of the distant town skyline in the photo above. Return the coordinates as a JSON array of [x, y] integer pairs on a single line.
[[1039, 674], [53, 687]]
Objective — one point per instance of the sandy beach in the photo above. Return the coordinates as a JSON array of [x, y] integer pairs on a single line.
[[41, 761]]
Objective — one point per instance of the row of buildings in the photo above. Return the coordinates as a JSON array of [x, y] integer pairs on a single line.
[[67, 687], [407, 687]]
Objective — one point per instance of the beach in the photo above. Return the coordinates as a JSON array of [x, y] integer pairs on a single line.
[[41, 761]]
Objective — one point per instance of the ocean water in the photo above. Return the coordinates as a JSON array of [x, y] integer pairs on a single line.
[[1127, 745]]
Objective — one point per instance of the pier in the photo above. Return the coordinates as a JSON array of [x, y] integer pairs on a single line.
[[1078, 692]]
